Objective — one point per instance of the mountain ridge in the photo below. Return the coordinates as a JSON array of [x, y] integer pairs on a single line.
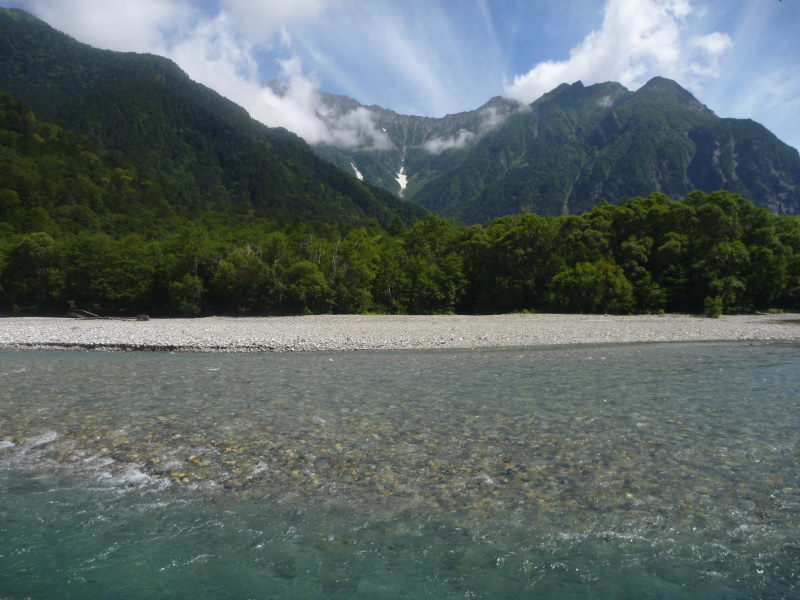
[[572, 147], [419, 144], [562, 154]]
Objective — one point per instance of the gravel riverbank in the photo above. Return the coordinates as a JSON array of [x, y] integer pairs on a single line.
[[373, 332]]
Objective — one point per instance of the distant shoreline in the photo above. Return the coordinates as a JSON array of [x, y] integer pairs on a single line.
[[384, 332]]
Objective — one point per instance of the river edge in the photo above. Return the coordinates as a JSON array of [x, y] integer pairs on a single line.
[[332, 333]]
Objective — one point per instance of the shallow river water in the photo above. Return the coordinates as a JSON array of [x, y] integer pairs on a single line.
[[632, 471]]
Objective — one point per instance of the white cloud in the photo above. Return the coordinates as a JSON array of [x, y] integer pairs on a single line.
[[299, 108], [491, 118], [357, 129], [127, 25], [440, 144], [219, 52], [636, 40], [212, 54], [261, 19], [712, 47], [713, 44]]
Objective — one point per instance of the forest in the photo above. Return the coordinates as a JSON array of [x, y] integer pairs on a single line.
[[81, 228]]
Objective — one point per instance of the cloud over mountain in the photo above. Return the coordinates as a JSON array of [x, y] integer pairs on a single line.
[[437, 57], [637, 40]]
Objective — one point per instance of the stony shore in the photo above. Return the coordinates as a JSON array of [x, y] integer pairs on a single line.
[[384, 332]]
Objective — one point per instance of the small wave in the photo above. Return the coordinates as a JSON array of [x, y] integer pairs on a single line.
[[604, 535], [45, 438], [177, 564], [132, 476], [98, 462], [260, 467]]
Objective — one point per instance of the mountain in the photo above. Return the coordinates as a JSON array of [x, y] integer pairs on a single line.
[[571, 148], [561, 154], [205, 149], [418, 148]]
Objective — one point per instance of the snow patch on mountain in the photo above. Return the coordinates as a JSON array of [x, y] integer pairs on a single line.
[[402, 179]]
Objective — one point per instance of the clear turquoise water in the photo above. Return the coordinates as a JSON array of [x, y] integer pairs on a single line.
[[642, 471]]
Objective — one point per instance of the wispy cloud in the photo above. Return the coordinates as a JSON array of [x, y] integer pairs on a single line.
[[414, 59], [440, 144], [260, 20], [775, 93], [490, 118], [427, 57], [637, 40]]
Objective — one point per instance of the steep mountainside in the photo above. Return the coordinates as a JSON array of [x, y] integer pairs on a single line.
[[572, 147], [410, 150], [202, 147]]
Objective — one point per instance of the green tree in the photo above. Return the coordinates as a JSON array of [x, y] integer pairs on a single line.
[[354, 270], [109, 275], [721, 268], [599, 287], [185, 295], [634, 258], [434, 275], [307, 289], [32, 279], [240, 282]]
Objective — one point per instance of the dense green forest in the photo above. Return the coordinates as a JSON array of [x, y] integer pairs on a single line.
[[578, 144], [80, 228], [199, 148]]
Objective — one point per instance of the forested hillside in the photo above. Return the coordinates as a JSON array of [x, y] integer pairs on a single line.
[[202, 150], [80, 228], [580, 144]]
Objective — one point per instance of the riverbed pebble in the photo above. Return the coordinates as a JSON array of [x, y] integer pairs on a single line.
[[384, 332]]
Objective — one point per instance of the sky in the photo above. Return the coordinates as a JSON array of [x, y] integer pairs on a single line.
[[434, 57]]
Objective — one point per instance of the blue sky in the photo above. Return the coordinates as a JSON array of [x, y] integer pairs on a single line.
[[433, 57]]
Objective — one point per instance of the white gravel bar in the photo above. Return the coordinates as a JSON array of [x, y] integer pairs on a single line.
[[384, 332]]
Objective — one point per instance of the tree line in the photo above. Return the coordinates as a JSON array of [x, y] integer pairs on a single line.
[[646, 255]]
